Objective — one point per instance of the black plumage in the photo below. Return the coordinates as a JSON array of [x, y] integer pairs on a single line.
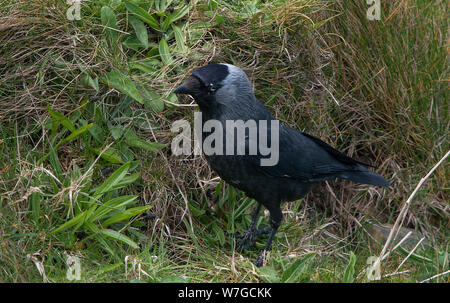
[[224, 93]]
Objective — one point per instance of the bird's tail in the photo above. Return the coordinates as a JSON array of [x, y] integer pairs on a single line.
[[365, 177]]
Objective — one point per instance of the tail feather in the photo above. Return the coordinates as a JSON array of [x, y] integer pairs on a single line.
[[365, 177]]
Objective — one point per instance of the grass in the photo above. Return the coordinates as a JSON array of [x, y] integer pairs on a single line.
[[86, 110]]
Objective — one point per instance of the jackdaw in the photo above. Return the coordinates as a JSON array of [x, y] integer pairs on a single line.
[[224, 93]]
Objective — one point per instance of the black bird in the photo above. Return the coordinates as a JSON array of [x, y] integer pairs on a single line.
[[224, 93]]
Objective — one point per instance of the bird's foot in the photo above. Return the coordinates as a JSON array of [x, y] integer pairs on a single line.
[[248, 238], [260, 261]]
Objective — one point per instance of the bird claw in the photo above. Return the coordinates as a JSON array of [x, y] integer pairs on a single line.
[[248, 238], [259, 262]]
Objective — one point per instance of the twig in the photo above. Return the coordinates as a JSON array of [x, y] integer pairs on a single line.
[[410, 253], [398, 244], [436, 276], [405, 207]]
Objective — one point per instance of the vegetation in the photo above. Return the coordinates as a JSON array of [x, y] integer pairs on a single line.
[[86, 111]]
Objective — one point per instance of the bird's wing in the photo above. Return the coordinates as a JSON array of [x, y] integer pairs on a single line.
[[306, 158], [335, 153]]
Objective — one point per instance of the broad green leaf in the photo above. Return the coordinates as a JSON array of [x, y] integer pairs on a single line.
[[166, 23], [140, 29], [132, 42], [130, 134], [196, 211], [88, 81], [123, 84], [35, 204], [164, 52], [118, 237], [111, 155], [180, 13], [108, 268], [269, 274], [89, 216], [125, 215], [116, 131], [172, 98], [293, 272], [112, 180], [157, 5], [61, 119], [179, 38], [114, 3], [153, 101], [149, 69], [108, 17], [97, 133], [77, 133], [111, 205], [414, 256], [350, 269], [161, 5], [142, 237], [126, 181], [142, 14], [139, 143], [99, 236], [149, 62], [72, 222], [109, 21]]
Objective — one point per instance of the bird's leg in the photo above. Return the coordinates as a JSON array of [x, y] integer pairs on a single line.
[[275, 221], [248, 238]]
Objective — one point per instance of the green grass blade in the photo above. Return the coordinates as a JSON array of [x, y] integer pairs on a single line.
[[166, 23], [111, 205], [180, 13], [111, 155], [112, 180], [127, 180], [35, 204], [350, 269], [139, 143], [61, 118], [72, 222], [76, 133], [73, 135], [118, 237], [125, 215], [142, 14]]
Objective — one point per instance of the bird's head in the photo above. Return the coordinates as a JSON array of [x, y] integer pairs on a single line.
[[216, 84]]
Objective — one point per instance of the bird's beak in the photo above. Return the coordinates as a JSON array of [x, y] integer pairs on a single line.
[[190, 87], [182, 89]]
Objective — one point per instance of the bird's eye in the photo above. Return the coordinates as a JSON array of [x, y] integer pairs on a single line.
[[212, 88]]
